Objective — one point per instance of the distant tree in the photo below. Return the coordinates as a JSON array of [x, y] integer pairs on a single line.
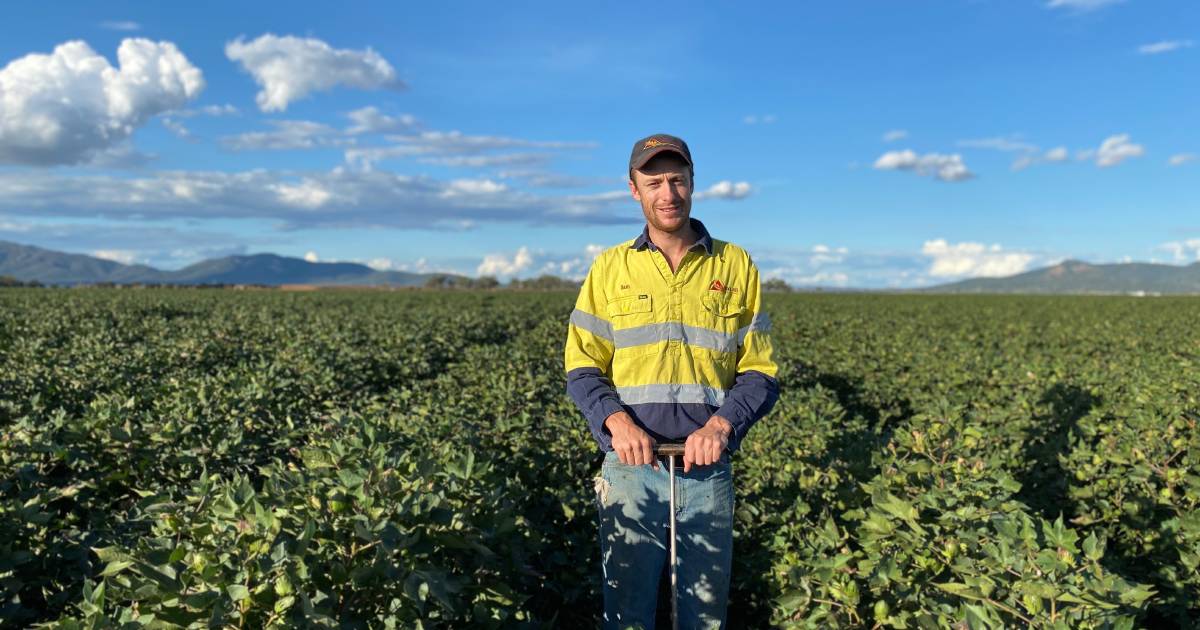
[[543, 283], [439, 281], [486, 282], [777, 285]]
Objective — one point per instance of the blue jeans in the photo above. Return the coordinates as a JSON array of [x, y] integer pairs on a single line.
[[635, 540]]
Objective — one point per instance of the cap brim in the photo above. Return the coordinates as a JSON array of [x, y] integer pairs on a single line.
[[648, 155]]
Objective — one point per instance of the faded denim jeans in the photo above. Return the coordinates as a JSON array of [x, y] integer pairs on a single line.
[[635, 540]]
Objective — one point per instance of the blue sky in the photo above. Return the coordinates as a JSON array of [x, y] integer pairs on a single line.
[[862, 144]]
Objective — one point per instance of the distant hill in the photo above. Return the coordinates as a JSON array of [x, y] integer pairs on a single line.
[[25, 262], [1073, 276]]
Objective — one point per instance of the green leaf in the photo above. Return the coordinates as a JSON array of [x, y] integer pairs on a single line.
[[961, 590], [237, 592]]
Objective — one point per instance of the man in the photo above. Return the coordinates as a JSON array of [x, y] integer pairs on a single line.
[[668, 342]]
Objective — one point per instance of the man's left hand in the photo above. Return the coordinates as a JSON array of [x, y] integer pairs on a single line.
[[705, 445]]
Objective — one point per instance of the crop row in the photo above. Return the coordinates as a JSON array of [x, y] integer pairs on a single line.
[[229, 459]]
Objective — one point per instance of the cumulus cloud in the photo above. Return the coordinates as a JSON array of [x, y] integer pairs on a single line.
[[504, 265], [726, 189], [290, 68], [311, 256], [948, 168], [71, 105], [969, 259], [420, 265], [1157, 48], [1183, 251], [1114, 150], [1080, 5], [1179, 159], [894, 135]]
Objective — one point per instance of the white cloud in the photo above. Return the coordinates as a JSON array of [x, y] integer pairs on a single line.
[[894, 135], [420, 265], [312, 256], [1183, 251], [1165, 46], [726, 189], [290, 68], [176, 127], [71, 105], [1080, 5], [14, 226], [973, 259], [481, 161], [826, 255], [219, 110], [540, 178], [207, 110], [755, 119], [503, 265], [1055, 155], [288, 135], [337, 198], [430, 144], [948, 168], [121, 25], [371, 120], [308, 194], [1179, 159], [1116, 149], [123, 256], [999, 143]]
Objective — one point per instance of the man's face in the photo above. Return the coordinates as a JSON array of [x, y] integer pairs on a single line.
[[664, 188]]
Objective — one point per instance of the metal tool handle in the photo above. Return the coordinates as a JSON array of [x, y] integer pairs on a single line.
[[668, 449]]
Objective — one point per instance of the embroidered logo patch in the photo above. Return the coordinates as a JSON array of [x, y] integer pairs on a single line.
[[716, 286], [655, 142]]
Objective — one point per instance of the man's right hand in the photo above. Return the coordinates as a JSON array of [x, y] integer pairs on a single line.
[[634, 446]]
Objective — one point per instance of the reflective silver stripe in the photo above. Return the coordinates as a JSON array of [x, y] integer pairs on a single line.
[[592, 324], [760, 323], [691, 335], [671, 393]]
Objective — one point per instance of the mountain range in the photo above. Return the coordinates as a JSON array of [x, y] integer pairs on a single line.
[[1074, 276], [26, 263]]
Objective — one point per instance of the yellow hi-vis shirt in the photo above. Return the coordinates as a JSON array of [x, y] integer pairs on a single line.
[[671, 348]]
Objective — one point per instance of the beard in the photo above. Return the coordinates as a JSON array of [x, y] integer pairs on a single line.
[[677, 219]]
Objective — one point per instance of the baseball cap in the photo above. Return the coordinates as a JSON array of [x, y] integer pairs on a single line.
[[651, 146]]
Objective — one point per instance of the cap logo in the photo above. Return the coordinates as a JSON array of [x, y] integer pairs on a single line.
[[655, 142]]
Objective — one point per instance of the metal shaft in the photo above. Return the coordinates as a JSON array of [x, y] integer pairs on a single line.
[[674, 585]]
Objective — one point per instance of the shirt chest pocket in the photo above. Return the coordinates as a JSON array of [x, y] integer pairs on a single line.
[[634, 332], [722, 314], [722, 309]]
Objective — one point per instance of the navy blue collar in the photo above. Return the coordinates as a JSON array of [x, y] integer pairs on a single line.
[[704, 240]]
